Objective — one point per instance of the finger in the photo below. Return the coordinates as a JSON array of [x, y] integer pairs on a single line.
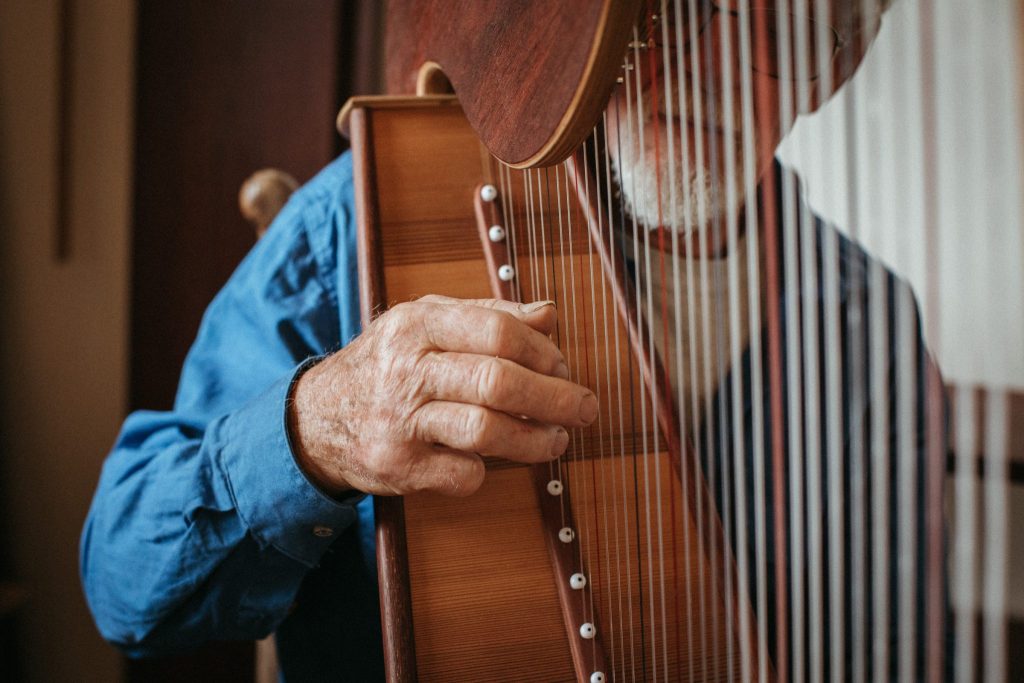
[[511, 388], [466, 427], [489, 332], [446, 471], [540, 315]]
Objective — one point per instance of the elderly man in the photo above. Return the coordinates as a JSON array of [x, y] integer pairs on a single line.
[[244, 511]]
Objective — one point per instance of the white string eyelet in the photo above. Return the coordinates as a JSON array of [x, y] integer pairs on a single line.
[[496, 233], [555, 487], [488, 193], [588, 631], [506, 273], [598, 677], [566, 535], [577, 581]]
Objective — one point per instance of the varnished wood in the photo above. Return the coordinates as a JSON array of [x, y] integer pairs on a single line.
[[389, 516], [480, 585], [566, 558], [528, 112]]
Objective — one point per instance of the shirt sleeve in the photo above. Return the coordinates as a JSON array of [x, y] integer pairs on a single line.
[[203, 526]]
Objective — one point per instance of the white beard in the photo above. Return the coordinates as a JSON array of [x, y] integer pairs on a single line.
[[695, 198]]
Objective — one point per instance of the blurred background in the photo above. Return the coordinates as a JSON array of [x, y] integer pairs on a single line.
[[127, 128]]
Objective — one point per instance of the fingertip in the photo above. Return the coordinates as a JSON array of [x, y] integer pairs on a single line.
[[560, 442], [535, 306], [588, 408], [540, 315], [472, 479]]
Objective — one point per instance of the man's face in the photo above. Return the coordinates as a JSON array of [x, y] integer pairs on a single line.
[[733, 90]]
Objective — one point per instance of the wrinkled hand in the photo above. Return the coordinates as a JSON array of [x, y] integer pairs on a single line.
[[413, 402]]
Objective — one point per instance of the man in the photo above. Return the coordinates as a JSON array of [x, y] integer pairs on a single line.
[[243, 510]]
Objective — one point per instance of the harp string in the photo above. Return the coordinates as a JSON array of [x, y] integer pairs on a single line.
[[615, 410], [652, 79], [996, 421], [857, 405], [935, 426], [612, 590], [753, 264], [794, 456], [738, 510], [670, 89], [621, 241], [593, 569], [647, 394], [686, 467], [715, 116], [700, 343], [908, 364], [835, 476], [848, 595], [654, 56], [685, 96], [637, 394], [879, 460]]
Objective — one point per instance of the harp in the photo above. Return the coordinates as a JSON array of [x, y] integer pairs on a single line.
[[763, 496]]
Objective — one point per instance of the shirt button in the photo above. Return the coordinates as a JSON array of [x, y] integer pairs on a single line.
[[323, 531]]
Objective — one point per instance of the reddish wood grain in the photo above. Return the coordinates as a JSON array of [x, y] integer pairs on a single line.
[[532, 77]]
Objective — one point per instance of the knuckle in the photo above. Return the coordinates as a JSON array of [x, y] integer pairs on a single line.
[[564, 403], [502, 334], [477, 424], [488, 380]]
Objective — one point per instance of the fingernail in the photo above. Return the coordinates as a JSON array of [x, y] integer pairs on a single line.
[[562, 371], [560, 443], [535, 306], [588, 408]]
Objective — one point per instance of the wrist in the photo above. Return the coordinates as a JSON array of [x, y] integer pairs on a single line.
[[304, 427]]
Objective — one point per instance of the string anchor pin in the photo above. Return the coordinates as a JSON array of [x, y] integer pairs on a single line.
[[577, 581], [588, 631], [598, 677], [496, 233], [566, 535], [488, 193], [506, 273], [555, 487]]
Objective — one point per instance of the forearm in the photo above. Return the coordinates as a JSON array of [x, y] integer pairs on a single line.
[[199, 533]]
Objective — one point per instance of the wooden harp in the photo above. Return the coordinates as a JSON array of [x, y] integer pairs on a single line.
[[691, 533]]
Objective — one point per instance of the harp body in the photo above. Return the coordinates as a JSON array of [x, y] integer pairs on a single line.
[[468, 585], [471, 589]]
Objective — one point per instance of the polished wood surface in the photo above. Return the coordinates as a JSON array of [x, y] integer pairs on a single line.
[[528, 112], [482, 595]]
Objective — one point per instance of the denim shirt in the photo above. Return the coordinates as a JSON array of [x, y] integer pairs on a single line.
[[202, 526]]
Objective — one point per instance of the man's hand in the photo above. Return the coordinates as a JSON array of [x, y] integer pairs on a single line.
[[413, 402]]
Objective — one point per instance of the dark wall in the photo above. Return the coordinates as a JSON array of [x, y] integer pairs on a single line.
[[224, 88]]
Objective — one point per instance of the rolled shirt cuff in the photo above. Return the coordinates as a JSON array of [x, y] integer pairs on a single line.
[[279, 505]]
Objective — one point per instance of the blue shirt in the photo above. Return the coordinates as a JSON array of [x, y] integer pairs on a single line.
[[203, 526]]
